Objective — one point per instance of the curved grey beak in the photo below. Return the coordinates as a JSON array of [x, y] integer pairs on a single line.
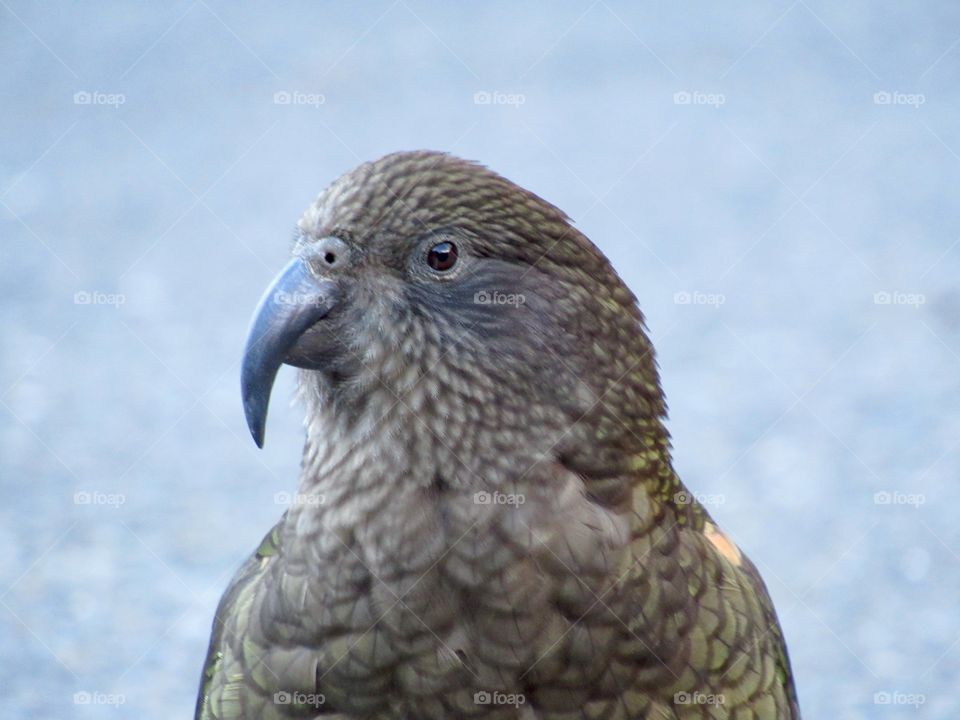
[[291, 305]]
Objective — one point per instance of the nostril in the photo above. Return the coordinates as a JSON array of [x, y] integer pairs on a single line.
[[330, 252]]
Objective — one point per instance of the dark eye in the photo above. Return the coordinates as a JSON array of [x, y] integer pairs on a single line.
[[442, 256]]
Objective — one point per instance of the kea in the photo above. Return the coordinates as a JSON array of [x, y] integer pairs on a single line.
[[488, 523]]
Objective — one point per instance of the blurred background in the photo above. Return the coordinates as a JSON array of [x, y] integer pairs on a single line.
[[776, 182]]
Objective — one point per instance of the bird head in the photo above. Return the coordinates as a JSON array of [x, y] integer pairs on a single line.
[[428, 287]]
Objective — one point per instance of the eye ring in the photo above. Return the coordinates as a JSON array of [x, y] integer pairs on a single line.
[[443, 256]]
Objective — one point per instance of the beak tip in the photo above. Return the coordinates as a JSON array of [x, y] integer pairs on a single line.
[[255, 412]]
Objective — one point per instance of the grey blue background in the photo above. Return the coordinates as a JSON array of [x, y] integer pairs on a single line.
[[777, 183]]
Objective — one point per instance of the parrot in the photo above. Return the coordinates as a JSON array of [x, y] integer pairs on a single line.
[[487, 522]]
